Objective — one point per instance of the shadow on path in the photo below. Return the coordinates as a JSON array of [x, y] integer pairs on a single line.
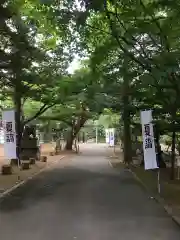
[[48, 184], [86, 200]]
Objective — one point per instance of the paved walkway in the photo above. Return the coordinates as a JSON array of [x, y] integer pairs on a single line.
[[87, 200]]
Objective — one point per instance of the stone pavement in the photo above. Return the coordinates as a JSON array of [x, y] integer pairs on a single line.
[[84, 199]]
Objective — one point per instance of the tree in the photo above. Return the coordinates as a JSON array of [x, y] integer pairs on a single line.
[[143, 33], [84, 101], [30, 64]]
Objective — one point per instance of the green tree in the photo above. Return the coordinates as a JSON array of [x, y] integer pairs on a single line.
[[84, 101], [143, 34], [33, 60]]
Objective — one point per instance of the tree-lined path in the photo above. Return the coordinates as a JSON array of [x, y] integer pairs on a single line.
[[84, 199]]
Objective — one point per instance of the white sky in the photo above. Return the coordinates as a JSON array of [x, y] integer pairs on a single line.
[[74, 65]]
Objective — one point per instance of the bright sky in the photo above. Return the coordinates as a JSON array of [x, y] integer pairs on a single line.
[[74, 65]]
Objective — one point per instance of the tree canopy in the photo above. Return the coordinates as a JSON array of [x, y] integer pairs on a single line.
[[130, 54]]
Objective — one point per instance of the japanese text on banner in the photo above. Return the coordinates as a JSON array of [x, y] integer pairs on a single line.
[[148, 138], [9, 132]]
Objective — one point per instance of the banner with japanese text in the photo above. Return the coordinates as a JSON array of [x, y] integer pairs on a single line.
[[8, 118], [107, 135], [150, 161], [111, 137]]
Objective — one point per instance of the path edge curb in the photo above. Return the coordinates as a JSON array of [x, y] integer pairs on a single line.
[[10, 190]]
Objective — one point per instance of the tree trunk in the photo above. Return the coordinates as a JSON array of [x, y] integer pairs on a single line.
[[173, 154], [69, 140], [83, 137], [126, 116], [127, 134], [157, 136], [47, 137], [160, 160], [69, 144], [79, 138], [75, 128], [18, 123]]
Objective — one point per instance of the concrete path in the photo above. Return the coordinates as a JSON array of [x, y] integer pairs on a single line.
[[84, 200]]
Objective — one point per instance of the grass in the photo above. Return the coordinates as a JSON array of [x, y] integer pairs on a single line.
[[170, 190]]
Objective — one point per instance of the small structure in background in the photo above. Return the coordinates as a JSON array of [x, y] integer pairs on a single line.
[[29, 143], [6, 169], [110, 137], [139, 157]]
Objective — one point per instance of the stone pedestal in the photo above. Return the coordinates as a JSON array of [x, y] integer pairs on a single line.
[[6, 170]]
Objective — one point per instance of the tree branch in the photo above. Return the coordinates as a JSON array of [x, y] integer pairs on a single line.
[[69, 123], [42, 110], [144, 64], [114, 33], [157, 24]]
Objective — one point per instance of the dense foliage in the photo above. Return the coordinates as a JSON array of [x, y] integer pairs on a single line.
[[130, 54]]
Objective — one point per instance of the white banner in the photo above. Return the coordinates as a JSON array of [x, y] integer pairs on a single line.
[[148, 140], [111, 137], [1, 132], [107, 135], [8, 117]]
